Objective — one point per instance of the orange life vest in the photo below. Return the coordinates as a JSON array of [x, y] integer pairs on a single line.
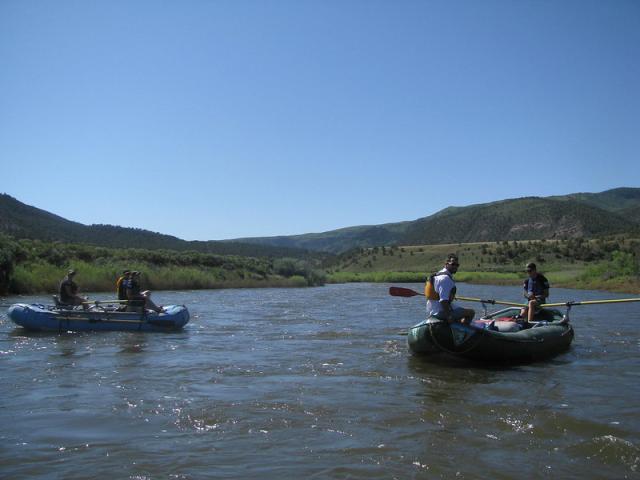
[[429, 288]]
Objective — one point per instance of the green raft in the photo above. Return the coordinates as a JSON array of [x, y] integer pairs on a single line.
[[500, 336]]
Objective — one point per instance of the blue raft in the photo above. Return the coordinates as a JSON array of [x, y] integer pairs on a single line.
[[52, 319]]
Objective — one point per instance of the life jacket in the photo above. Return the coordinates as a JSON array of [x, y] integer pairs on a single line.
[[65, 297], [430, 290], [121, 290]]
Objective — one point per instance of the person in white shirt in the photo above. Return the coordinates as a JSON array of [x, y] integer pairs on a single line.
[[442, 291]]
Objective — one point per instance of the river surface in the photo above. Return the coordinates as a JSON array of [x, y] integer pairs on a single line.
[[315, 383]]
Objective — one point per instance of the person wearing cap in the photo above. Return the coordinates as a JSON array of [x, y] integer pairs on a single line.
[[536, 291], [440, 301], [68, 291]]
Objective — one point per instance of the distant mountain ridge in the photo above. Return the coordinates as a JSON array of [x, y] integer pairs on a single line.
[[528, 218], [24, 221]]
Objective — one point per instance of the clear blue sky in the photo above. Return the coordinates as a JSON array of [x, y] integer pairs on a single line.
[[223, 119]]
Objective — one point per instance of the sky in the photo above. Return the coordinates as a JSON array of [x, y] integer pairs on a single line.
[[218, 119]]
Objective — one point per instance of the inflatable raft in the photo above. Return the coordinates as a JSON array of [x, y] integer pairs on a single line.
[[43, 318], [500, 336]]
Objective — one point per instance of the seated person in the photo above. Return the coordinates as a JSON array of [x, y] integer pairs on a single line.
[[440, 292], [121, 289], [138, 299], [68, 291], [536, 291]]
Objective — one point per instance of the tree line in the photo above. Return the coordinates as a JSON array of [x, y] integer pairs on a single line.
[[33, 266]]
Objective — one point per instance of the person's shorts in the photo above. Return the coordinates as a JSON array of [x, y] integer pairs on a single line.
[[457, 313]]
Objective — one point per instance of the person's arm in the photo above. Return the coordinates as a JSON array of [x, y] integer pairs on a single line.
[[444, 292]]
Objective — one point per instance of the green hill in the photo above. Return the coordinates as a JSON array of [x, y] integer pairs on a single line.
[[529, 218], [520, 219], [24, 221], [337, 241], [615, 200]]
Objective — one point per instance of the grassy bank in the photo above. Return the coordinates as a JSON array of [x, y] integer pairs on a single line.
[[37, 267], [45, 278], [621, 284], [603, 264]]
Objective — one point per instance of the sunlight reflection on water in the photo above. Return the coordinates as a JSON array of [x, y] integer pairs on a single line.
[[315, 382]]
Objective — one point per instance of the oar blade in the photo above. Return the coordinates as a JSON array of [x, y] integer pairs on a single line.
[[402, 292]]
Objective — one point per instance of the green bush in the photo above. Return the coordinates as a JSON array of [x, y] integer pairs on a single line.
[[33, 266]]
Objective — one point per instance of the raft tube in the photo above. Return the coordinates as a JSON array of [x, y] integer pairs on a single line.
[[43, 318], [483, 340]]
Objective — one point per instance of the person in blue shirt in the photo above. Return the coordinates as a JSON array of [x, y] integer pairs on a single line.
[[139, 299], [536, 291]]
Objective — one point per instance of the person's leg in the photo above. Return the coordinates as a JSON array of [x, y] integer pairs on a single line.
[[463, 315], [532, 310], [148, 303], [469, 314], [80, 301]]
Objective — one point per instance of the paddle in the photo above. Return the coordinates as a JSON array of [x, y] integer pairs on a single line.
[[407, 292], [403, 292]]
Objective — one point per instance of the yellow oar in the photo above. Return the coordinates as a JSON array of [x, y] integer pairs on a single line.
[[93, 302], [407, 292], [490, 301], [591, 302]]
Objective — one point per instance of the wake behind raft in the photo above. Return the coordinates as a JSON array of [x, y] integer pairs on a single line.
[[499, 336], [38, 317]]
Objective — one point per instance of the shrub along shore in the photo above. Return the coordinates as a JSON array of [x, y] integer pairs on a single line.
[[621, 284], [611, 264], [32, 266]]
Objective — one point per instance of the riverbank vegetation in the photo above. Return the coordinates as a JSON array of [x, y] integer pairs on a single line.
[[34, 266], [611, 263]]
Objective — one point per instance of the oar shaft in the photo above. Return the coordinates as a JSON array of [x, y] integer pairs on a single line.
[[491, 301], [591, 302], [407, 292], [93, 302]]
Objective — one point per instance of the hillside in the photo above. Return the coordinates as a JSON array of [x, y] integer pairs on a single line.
[[340, 240], [520, 219], [575, 215], [615, 200], [24, 221], [530, 218]]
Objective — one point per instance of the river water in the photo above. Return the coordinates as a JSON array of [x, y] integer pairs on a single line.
[[316, 383]]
